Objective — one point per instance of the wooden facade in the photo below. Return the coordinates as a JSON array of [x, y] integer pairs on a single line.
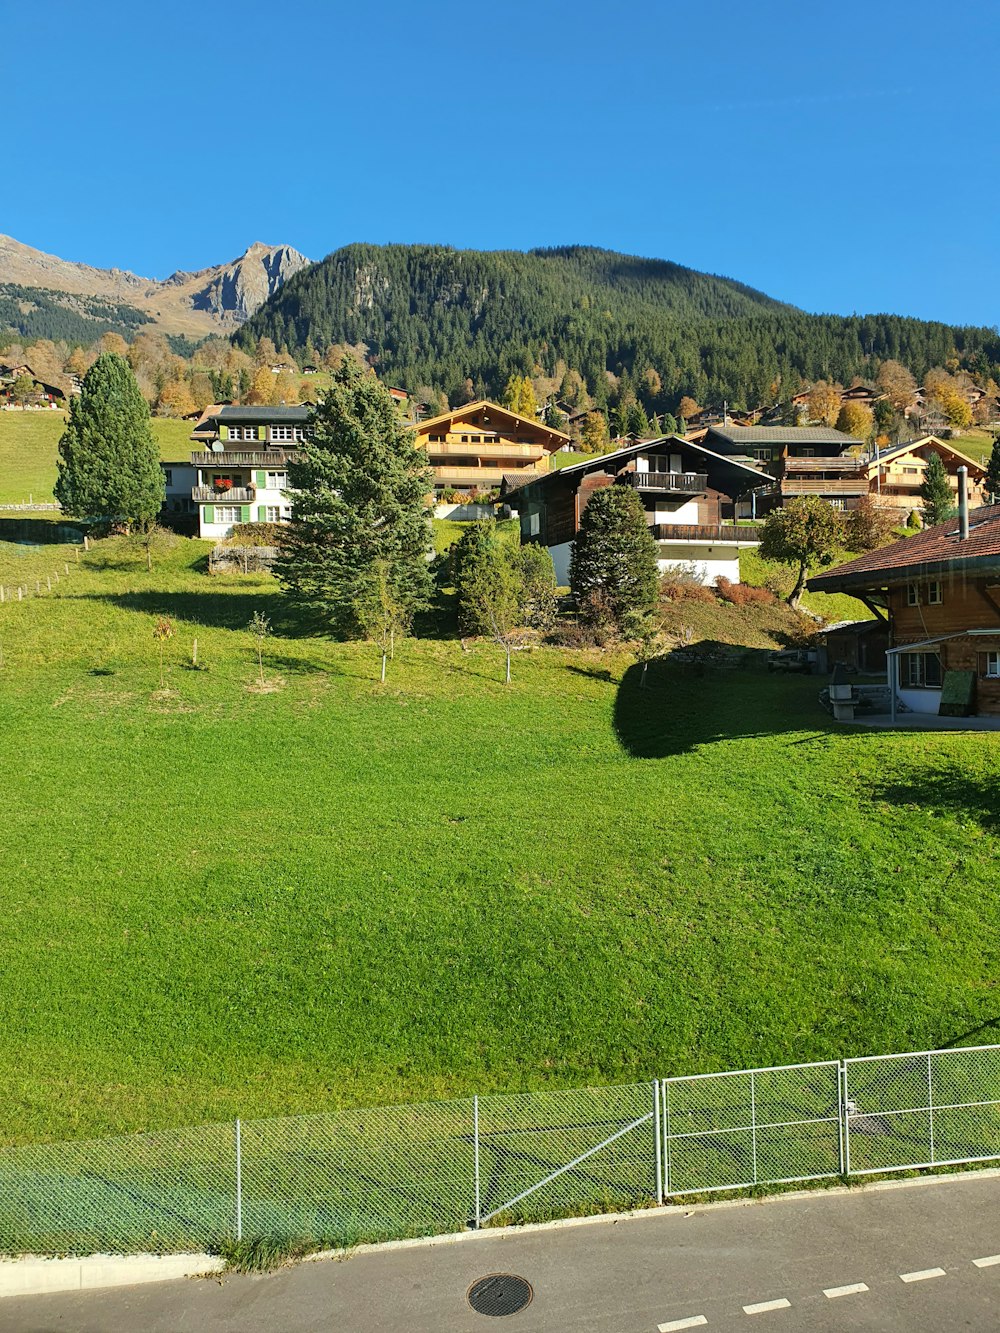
[[473, 447]]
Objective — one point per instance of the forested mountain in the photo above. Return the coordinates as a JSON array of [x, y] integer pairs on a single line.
[[431, 315], [33, 312]]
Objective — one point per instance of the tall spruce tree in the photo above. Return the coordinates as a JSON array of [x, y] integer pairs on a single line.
[[360, 509], [614, 570], [991, 482], [936, 493], [109, 462]]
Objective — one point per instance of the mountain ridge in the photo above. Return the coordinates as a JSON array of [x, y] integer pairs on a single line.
[[215, 299]]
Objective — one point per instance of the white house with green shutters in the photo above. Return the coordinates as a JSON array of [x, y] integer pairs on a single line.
[[241, 473]]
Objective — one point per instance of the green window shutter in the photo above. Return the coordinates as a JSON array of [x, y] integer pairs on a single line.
[[210, 513], [245, 513], [261, 432], [262, 513], [261, 478]]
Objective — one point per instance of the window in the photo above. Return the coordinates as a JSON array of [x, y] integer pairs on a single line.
[[243, 432], [299, 434], [438, 439], [807, 453], [476, 439], [281, 432], [934, 597], [228, 514], [277, 481], [465, 439], [910, 471], [919, 671], [762, 455], [836, 504], [273, 513], [168, 476], [913, 594], [534, 525], [989, 664]]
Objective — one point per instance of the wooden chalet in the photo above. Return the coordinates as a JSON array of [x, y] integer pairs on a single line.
[[472, 447], [689, 495], [939, 594], [896, 474]]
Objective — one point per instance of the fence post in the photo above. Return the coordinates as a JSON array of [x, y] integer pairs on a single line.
[[665, 1085], [657, 1142], [475, 1143], [239, 1182], [930, 1103], [845, 1123], [753, 1122]]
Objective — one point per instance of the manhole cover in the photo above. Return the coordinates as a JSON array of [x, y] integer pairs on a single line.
[[500, 1293]]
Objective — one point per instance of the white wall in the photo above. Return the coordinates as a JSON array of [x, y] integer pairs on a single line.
[[465, 513], [920, 701], [707, 564], [685, 513], [560, 558]]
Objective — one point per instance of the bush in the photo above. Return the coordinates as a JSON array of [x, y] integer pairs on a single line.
[[679, 586], [257, 534], [870, 525], [743, 594]]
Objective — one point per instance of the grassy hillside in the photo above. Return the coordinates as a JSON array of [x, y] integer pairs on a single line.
[[28, 450], [222, 900]]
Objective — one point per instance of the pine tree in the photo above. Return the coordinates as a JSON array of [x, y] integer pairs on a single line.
[[109, 462], [991, 482], [360, 509], [936, 493], [614, 557]]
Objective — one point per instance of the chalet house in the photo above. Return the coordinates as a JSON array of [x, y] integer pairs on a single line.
[[44, 395], [240, 475], [939, 592], [687, 491], [471, 448], [896, 474]]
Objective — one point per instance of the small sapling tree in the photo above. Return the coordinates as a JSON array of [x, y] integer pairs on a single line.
[[260, 629], [806, 532], [384, 614], [162, 631], [489, 582]]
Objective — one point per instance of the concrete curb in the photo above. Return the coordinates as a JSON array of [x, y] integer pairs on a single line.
[[34, 1275]]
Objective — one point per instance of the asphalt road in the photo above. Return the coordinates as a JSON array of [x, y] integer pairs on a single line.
[[893, 1259]]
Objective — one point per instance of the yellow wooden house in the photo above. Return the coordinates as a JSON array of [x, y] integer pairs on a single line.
[[472, 448]]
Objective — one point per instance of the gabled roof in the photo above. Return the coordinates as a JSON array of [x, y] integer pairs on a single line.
[[260, 416], [936, 550], [783, 435], [910, 445], [741, 471], [467, 409]]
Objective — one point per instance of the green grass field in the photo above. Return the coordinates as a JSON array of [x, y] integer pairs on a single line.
[[220, 900], [28, 449]]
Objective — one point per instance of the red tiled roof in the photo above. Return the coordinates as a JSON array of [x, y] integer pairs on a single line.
[[936, 549]]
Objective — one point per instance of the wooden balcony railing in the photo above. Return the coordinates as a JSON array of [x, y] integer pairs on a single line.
[[829, 486], [706, 532], [217, 495], [240, 458], [688, 483]]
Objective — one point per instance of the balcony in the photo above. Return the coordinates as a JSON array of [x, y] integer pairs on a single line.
[[517, 453], [271, 458], [483, 477], [684, 483], [216, 495], [743, 533], [824, 486]]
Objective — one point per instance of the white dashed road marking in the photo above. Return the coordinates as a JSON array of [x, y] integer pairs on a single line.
[[851, 1290], [922, 1274], [762, 1307], [675, 1325], [988, 1262]]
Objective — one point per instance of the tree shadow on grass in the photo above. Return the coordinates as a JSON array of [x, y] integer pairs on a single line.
[[949, 791], [217, 610], [689, 702]]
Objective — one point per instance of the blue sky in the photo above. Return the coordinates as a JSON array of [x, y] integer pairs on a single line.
[[841, 157]]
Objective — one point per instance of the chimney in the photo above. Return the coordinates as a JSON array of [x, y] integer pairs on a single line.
[[963, 503]]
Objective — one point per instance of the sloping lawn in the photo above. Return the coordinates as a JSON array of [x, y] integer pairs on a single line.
[[220, 900], [28, 449]]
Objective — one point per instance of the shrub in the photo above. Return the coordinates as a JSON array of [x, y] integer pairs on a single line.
[[743, 594], [256, 534], [676, 585], [870, 525]]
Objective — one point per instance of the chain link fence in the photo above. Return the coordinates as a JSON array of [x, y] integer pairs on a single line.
[[389, 1172]]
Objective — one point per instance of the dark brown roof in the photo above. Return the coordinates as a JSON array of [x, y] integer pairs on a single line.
[[935, 550], [783, 435]]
